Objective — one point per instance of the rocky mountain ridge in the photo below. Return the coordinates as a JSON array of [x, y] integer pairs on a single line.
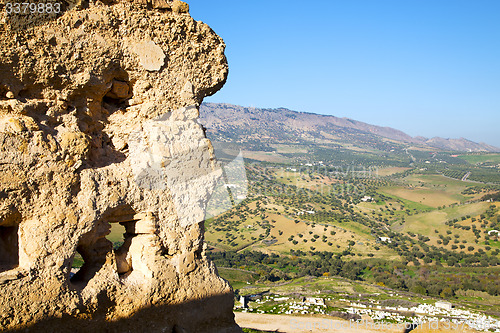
[[265, 122]]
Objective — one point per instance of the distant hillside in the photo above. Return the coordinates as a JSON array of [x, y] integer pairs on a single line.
[[233, 123], [460, 145]]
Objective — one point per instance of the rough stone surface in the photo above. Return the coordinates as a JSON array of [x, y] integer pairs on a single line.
[[151, 55], [91, 135]]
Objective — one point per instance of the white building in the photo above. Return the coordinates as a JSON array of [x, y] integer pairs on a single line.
[[244, 301], [444, 305], [385, 239]]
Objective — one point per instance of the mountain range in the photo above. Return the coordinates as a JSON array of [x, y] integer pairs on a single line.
[[235, 123]]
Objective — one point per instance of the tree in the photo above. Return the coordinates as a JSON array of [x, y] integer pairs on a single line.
[[418, 289], [446, 293]]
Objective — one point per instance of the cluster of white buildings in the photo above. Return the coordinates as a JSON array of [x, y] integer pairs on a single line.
[[303, 308], [385, 239], [427, 313], [442, 312], [311, 305], [302, 212]]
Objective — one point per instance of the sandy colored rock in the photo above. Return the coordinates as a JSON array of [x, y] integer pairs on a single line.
[[119, 90], [180, 7], [99, 127], [160, 4], [151, 56]]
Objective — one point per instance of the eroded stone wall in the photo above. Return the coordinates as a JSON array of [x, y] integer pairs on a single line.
[[98, 126]]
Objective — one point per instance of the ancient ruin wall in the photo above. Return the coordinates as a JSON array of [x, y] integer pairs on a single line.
[[99, 126]]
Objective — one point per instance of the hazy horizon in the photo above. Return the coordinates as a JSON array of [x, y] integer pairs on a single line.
[[427, 69]]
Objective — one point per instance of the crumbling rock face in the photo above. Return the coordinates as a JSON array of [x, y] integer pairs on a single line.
[[98, 126]]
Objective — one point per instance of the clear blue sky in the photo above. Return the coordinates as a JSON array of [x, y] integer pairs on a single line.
[[427, 67]]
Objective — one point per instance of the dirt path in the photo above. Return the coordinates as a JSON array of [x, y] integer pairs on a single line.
[[299, 324], [464, 178]]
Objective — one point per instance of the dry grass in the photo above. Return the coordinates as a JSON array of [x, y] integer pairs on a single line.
[[391, 171], [265, 156], [426, 223], [302, 180], [343, 234], [429, 197]]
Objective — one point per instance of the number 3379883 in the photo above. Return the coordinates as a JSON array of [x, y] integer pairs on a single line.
[[32, 8]]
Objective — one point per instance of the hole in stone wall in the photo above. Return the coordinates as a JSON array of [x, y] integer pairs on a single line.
[[122, 231], [9, 247], [114, 232], [90, 256], [123, 258], [77, 264], [117, 235], [9, 238], [122, 240]]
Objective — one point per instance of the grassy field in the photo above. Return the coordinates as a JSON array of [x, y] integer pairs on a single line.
[[315, 182], [390, 171], [265, 156], [427, 197], [246, 229], [430, 190], [441, 183], [284, 228], [419, 203], [235, 233], [289, 149], [238, 278], [289, 231], [428, 223], [397, 205], [481, 158]]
